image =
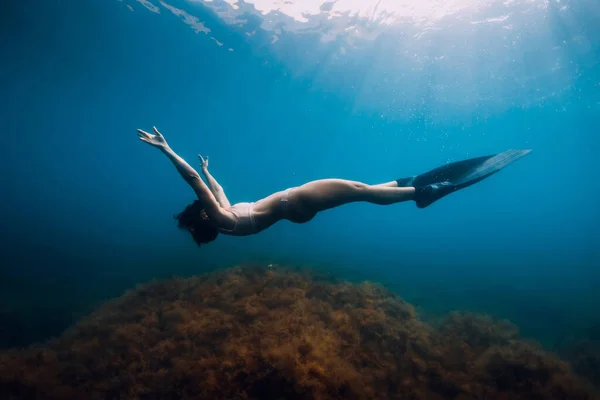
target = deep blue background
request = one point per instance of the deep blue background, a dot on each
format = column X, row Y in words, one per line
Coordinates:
column 87, row 210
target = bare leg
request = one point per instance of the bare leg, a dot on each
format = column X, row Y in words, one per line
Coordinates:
column 329, row 193
column 387, row 184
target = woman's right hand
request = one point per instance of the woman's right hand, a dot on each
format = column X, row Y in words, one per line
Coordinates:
column 157, row 140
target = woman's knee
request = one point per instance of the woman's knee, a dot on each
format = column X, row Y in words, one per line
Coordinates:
column 359, row 191
column 359, row 186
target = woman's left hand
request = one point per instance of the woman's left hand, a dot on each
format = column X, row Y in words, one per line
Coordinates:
column 203, row 162
column 156, row 140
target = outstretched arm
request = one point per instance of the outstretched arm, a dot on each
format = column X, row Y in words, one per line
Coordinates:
column 214, row 186
column 189, row 174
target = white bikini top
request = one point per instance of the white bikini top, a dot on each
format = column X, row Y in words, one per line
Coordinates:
column 245, row 224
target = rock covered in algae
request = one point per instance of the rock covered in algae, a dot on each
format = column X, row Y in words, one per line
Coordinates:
column 277, row 333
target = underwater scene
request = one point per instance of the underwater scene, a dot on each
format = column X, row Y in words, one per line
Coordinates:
column 300, row 199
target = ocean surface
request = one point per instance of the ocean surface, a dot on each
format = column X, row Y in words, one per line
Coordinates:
column 280, row 93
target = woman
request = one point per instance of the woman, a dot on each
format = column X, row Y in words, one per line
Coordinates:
column 212, row 214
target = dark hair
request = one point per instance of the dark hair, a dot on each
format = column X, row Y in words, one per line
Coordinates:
column 195, row 221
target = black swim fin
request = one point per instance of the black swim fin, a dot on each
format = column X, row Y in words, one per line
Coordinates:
column 441, row 181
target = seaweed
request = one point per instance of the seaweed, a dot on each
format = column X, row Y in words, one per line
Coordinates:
column 253, row 332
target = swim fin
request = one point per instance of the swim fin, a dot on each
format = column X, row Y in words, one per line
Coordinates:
column 439, row 182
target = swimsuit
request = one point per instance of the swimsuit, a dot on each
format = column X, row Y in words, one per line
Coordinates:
column 244, row 214
column 285, row 196
column 244, row 224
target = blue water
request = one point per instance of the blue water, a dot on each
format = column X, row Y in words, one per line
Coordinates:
column 87, row 209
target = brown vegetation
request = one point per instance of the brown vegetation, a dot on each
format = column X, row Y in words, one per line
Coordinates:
column 261, row 333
